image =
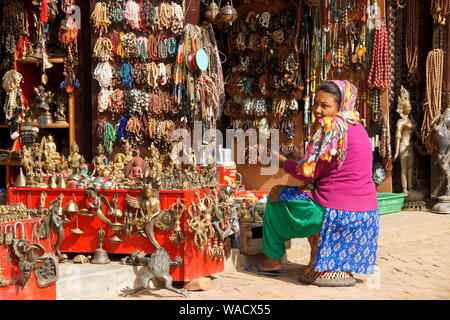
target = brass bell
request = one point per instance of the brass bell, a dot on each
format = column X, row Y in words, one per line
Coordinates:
column 21, row 180
column 71, row 207
column 100, row 255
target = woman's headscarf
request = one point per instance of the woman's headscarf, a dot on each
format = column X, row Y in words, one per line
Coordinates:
column 330, row 134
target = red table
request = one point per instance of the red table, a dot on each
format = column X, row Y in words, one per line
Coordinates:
column 195, row 263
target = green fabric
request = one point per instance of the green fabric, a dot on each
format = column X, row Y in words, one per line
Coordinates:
column 284, row 220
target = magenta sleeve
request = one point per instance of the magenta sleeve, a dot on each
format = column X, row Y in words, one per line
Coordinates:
column 323, row 168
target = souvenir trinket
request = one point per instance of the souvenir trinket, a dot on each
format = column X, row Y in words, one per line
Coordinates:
column 177, row 209
column 100, row 254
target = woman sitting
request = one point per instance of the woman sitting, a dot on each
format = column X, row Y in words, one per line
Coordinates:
column 338, row 210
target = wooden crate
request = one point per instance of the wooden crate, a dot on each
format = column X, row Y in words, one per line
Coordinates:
column 251, row 238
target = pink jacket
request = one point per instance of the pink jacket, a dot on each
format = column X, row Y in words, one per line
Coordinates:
column 350, row 187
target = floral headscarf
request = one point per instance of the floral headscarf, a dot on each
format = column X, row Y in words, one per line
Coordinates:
column 330, row 134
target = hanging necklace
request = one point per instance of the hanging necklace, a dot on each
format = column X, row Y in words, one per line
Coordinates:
column 412, row 41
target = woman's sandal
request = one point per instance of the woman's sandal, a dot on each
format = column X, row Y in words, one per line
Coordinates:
column 328, row 279
column 257, row 270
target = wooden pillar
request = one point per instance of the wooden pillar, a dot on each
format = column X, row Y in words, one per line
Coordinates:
column 386, row 185
column 192, row 9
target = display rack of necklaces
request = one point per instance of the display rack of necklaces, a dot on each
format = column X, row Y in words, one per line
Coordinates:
column 134, row 47
column 264, row 81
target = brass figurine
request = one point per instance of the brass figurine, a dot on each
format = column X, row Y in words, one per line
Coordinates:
column 75, row 160
column 442, row 138
column 177, row 237
column 100, row 163
column 404, row 151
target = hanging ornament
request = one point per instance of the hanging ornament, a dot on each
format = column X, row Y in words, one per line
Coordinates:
column 212, row 12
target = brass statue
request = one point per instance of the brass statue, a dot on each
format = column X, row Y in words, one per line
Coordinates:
column 148, row 209
column 61, row 106
column 29, row 165
column 404, row 151
column 75, row 160
column 100, row 163
column 403, row 145
column 442, row 138
column 245, row 214
column 126, row 155
column 158, row 266
column 155, row 163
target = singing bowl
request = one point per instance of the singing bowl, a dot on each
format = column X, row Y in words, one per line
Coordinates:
column 77, row 231
column 115, row 239
column 201, row 59
column 85, row 212
column 116, row 226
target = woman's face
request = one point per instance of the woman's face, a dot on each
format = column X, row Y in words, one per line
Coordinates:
column 325, row 105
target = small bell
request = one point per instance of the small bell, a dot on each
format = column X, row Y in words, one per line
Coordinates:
column 100, row 255
column 53, row 184
column 21, row 180
column 62, row 183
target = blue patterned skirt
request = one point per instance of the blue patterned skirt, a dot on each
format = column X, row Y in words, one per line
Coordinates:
column 348, row 240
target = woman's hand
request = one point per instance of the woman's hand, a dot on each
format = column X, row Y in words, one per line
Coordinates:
column 293, row 155
column 281, row 158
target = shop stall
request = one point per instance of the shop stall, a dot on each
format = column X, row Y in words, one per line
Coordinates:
column 117, row 113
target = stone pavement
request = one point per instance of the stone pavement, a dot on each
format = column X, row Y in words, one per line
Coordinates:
column 410, row 265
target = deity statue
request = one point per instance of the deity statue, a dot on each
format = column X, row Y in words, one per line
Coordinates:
column 442, row 138
column 404, row 151
column 155, row 163
column 75, row 159
column 60, row 113
column 29, row 165
column 100, row 163
column 126, row 155
column 50, row 150
column 148, row 206
column 136, row 167
column 403, row 145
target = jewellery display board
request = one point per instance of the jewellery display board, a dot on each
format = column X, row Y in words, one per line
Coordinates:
column 195, row 263
column 330, row 40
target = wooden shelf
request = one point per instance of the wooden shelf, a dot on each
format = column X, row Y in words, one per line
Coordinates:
column 48, row 126
column 11, row 163
column 35, row 60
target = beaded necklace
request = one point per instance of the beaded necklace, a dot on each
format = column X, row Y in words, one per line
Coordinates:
column 103, row 49
column 126, row 75
column 99, row 18
column 412, row 41
column 103, row 73
column 121, row 129
column 433, row 105
column 152, row 47
column 131, row 14
column 106, row 134
column 379, row 72
column 104, row 100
